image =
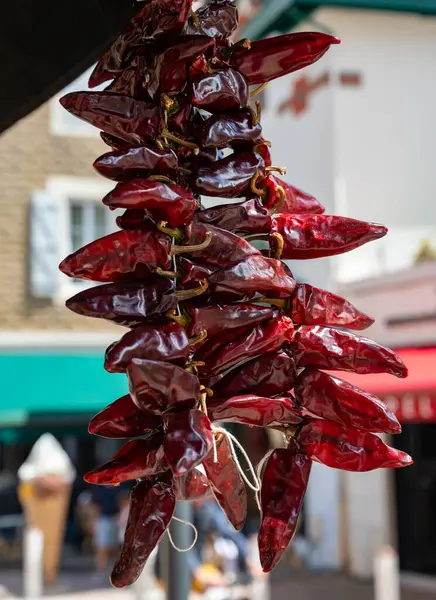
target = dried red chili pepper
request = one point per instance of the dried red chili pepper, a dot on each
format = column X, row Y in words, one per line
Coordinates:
column 254, row 410
column 312, row 306
column 123, row 419
column 136, row 459
column 217, row 19
column 336, row 400
column 157, row 387
column 277, row 56
column 247, row 217
column 152, row 505
column 140, row 161
column 228, row 177
column 224, row 318
column 223, row 130
column 297, row 201
column 154, row 341
column 226, row 482
column 225, row 248
column 348, row 449
column 133, row 80
column 256, row 274
column 125, row 303
column 114, row 142
column 284, row 485
column 136, row 253
column 133, row 121
column 156, row 19
column 133, row 218
column 159, row 200
column 262, row 338
column 315, row 236
column 219, row 91
column 191, row 486
column 327, row 348
column 187, row 439
column 193, row 273
column 269, row 375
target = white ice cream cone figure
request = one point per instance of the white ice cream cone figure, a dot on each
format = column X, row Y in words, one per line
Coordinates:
column 45, row 487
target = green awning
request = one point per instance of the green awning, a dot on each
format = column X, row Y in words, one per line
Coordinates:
column 59, row 382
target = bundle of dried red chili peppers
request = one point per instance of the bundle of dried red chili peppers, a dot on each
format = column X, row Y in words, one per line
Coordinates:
column 218, row 330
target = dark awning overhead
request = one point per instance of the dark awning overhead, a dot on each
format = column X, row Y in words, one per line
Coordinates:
column 46, row 44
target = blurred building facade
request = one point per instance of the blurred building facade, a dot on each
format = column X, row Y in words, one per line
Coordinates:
column 356, row 130
column 50, row 359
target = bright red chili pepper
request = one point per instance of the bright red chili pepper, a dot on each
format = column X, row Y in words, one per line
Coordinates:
column 125, row 303
column 348, row 449
column 191, row 486
column 135, row 253
column 284, row 485
column 277, row 56
column 312, row 306
column 226, row 483
column 152, row 505
column 297, row 201
column 254, row 410
column 123, row 419
column 132, row 121
column 336, row 400
column 219, row 91
column 315, row 236
column 136, row 459
column 187, row 439
column 225, row 318
column 327, row 348
column 159, row 200
column 154, row 341
column 140, row 161
column 247, row 217
column 157, row 387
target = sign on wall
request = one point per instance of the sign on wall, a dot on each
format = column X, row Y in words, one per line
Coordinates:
column 413, row 407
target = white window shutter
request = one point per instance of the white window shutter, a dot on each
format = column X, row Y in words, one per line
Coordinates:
column 45, row 249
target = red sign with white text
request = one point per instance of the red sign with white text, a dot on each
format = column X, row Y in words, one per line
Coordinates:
column 416, row 407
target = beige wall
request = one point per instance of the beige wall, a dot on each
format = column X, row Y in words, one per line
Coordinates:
column 29, row 155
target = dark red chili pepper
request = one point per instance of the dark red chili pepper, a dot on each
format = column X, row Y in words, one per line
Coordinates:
column 262, row 338
column 191, row 486
column 154, row 341
column 157, row 387
column 219, row 91
column 315, row 236
column 134, row 253
column 337, row 400
column 152, row 505
column 217, row 19
column 160, row 200
column 114, row 142
column 284, row 485
column 225, row 318
column 133, row 218
column 226, row 482
column 225, row 248
column 187, row 439
column 133, row 80
column 140, row 161
column 193, row 273
column 127, row 304
column 297, row 201
column 136, row 459
column 312, row 306
column 348, row 449
column 228, row 177
column 254, row 410
column 156, row 19
column 223, row 130
column 327, row 348
column 123, row 419
column 170, row 70
column 247, row 217
column 256, row 274
column 277, row 56
column 268, row 375
column 130, row 120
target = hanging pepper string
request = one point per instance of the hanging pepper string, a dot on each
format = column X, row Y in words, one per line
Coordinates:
column 189, row 525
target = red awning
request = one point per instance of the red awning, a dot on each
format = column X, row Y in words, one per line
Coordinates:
column 413, row 399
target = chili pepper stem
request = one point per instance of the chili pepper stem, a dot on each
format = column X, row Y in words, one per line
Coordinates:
column 281, row 170
column 173, row 232
column 257, row 191
column 280, row 244
column 162, row 178
column 281, row 191
column 198, row 338
column 169, row 274
column 279, row 302
column 192, row 293
column 258, row 89
column 170, row 136
column 182, row 249
column 182, row 320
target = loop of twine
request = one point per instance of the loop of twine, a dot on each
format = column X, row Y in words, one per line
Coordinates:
column 195, row 535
